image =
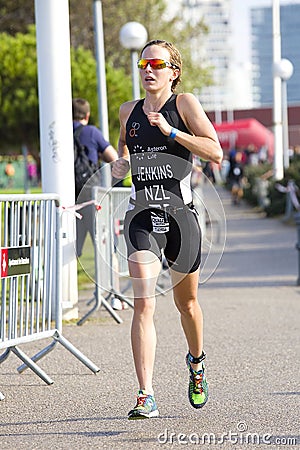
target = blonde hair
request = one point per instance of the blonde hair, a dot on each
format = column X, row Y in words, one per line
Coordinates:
column 175, row 57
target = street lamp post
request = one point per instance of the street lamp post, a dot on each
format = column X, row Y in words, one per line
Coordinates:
column 133, row 36
column 101, row 84
column 277, row 96
column 284, row 69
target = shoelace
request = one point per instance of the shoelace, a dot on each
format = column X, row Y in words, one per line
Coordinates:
column 141, row 400
column 198, row 378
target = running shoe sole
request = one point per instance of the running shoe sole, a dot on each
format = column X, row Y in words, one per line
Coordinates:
column 137, row 415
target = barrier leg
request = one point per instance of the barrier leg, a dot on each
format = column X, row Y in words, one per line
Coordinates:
column 4, row 355
column 38, row 356
column 67, row 344
column 107, row 306
column 59, row 338
column 122, row 298
column 34, row 367
column 126, row 287
column 93, row 309
column 103, row 301
column 160, row 290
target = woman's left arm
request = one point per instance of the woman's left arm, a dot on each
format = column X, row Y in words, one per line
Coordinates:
column 204, row 141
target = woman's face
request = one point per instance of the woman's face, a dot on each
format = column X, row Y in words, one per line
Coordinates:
column 154, row 80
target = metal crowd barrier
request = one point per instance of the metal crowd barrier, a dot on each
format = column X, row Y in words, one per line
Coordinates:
column 110, row 248
column 31, row 292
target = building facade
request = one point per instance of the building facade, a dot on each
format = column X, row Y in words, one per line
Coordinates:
column 262, row 52
column 240, row 82
column 214, row 49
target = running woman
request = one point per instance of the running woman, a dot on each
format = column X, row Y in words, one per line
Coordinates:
column 159, row 134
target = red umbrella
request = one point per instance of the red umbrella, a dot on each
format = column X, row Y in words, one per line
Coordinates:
column 245, row 132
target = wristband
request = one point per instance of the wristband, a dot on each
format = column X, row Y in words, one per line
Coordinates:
column 173, row 133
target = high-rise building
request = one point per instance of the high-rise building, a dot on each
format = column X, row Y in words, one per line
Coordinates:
column 214, row 49
column 262, row 52
column 242, row 72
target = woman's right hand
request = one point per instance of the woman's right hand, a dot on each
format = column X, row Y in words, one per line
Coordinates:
column 120, row 168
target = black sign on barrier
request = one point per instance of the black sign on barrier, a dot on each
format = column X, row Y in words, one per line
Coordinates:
column 15, row 261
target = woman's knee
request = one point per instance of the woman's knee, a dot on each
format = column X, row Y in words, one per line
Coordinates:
column 187, row 306
column 144, row 306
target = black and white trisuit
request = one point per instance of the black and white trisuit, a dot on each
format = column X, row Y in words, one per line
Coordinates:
column 161, row 214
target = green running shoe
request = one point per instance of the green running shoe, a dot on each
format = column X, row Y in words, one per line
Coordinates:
column 198, row 387
column 145, row 407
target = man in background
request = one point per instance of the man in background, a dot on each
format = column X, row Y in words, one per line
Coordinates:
column 236, row 177
column 97, row 148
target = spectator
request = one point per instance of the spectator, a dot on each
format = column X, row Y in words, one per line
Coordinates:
column 9, row 173
column 98, row 148
column 236, row 177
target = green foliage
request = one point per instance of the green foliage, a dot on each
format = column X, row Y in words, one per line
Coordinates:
column 18, row 76
column 19, row 93
column 18, row 87
column 16, row 15
column 84, row 84
column 276, row 199
column 119, row 90
column 293, row 172
column 153, row 15
column 83, row 70
column 161, row 23
column 252, row 173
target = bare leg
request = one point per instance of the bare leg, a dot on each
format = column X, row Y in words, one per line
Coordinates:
column 144, row 268
column 185, row 296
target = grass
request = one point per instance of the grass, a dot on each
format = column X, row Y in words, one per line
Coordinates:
column 32, row 190
column 86, row 265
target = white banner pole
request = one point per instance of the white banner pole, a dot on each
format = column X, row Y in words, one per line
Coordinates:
column 56, row 133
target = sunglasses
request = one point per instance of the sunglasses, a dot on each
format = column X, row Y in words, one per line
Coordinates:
column 155, row 64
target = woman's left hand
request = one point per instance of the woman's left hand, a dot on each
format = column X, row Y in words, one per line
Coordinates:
column 158, row 120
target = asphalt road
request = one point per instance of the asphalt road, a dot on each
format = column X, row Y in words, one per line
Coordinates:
column 251, row 307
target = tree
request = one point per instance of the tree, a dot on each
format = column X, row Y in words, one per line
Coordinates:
column 18, row 89
column 16, row 15
column 18, row 79
column 152, row 13
column 84, row 84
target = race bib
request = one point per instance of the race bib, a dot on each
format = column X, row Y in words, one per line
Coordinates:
column 160, row 222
